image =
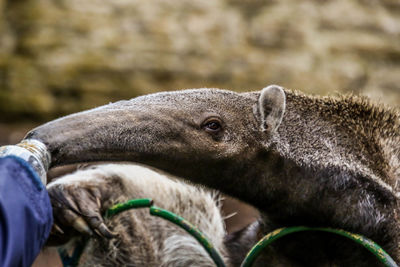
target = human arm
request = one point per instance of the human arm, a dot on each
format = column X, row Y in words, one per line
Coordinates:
column 25, row 210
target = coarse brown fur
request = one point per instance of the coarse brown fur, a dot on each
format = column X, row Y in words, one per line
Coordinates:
column 302, row 160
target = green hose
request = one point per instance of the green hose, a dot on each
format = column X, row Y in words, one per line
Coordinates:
column 253, row 253
column 188, row 227
column 130, row 204
column 275, row 235
column 73, row 260
column 172, row 217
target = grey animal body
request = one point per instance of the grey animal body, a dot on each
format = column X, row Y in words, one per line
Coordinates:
column 141, row 239
column 302, row 160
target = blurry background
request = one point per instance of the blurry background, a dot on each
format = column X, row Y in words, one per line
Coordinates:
column 63, row 56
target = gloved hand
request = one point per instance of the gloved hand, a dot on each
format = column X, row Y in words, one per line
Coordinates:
column 32, row 151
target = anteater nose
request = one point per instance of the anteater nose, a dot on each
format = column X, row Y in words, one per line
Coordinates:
column 30, row 135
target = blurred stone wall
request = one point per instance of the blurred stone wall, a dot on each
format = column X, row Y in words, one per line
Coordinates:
column 62, row 56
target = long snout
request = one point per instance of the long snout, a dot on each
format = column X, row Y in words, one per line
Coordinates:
column 101, row 134
column 132, row 130
column 78, row 137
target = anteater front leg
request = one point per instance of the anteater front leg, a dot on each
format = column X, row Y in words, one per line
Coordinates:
column 79, row 200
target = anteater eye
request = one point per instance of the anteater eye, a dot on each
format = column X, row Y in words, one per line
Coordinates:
column 212, row 125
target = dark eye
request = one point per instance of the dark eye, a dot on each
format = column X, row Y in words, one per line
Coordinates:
column 212, row 125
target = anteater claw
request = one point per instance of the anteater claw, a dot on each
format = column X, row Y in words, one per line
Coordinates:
column 106, row 232
column 57, row 229
column 81, row 226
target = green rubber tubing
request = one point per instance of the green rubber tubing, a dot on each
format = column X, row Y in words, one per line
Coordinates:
column 191, row 229
column 130, row 204
column 172, row 217
column 253, row 253
column 73, row 260
column 275, row 235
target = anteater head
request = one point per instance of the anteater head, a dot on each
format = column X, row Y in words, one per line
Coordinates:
column 197, row 132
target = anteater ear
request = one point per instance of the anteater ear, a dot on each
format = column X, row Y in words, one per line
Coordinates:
column 271, row 107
